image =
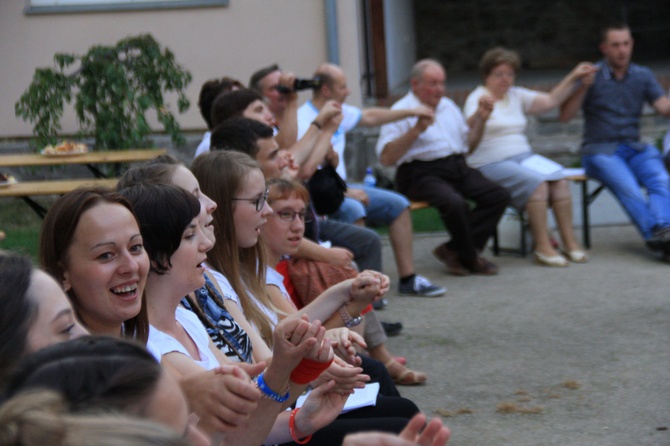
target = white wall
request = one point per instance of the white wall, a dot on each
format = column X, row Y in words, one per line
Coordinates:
column 211, row 42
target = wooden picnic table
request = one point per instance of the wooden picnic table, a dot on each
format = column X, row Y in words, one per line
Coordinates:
column 28, row 189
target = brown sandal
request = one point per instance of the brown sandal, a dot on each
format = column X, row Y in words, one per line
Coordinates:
column 407, row 377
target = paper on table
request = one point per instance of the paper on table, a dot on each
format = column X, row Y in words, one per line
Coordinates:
column 541, row 164
column 360, row 398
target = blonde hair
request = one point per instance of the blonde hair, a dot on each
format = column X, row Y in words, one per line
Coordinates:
column 38, row 418
column 221, row 175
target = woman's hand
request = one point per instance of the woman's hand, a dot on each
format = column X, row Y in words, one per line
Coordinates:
column 346, row 377
column 224, row 397
column 321, row 407
column 415, row 434
column 343, row 340
column 369, row 286
column 322, row 351
column 294, row 339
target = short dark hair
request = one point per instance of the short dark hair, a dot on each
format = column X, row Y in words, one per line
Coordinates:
column 17, row 310
column 232, row 104
column 496, row 56
column 618, row 26
column 255, row 79
column 210, row 90
column 91, row 372
column 240, row 134
column 163, row 212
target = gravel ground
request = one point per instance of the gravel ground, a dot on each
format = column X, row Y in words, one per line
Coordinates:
column 543, row 356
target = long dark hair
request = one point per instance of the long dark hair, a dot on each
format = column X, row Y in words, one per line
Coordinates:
column 56, row 237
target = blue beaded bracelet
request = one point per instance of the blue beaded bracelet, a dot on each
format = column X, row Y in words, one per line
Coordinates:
column 268, row 392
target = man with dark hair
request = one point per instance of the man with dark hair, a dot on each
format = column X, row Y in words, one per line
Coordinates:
column 253, row 138
column 208, row 93
column 612, row 102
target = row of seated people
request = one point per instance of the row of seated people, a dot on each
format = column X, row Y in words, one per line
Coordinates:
column 493, row 138
column 190, row 280
column 451, row 158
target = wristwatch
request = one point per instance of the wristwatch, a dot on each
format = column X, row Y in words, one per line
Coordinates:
column 349, row 320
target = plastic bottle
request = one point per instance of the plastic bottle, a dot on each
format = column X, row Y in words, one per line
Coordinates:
column 369, row 179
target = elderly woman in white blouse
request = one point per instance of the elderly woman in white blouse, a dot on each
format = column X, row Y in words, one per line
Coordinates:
column 502, row 154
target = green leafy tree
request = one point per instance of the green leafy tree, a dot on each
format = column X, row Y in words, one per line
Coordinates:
column 114, row 87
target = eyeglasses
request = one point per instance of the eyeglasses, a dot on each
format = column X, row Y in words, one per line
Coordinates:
column 258, row 202
column 289, row 216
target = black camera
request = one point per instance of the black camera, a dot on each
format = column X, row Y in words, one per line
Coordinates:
column 301, row 84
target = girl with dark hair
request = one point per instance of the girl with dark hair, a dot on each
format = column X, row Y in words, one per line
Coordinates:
column 91, row 243
column 34, row 311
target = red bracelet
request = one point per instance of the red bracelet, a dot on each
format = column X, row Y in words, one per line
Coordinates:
column 308, row 370
column 291, row 428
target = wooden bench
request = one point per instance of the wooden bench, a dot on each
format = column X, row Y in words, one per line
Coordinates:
column 28, row 189
column 587, row 197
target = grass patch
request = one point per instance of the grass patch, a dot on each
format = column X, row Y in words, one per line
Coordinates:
column 423, row 220
column 22, row 226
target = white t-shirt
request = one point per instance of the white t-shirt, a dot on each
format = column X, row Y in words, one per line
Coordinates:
column 446, row 136
column 274, row 277
column 351, row 116
column 163, row 343
column 505, row 130
column 203, row 147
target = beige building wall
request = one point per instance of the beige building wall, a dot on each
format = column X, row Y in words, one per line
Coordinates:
column 210, row 42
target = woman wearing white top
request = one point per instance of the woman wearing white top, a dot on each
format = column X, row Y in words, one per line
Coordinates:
column 503, row 148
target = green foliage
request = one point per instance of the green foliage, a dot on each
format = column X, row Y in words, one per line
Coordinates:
column 114, row 88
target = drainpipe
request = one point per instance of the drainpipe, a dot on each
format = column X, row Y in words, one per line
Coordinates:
column 331, row 32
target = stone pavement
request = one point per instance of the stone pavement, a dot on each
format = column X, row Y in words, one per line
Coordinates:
column 581, row 353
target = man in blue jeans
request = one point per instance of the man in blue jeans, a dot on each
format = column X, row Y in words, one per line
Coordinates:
column 612, row 152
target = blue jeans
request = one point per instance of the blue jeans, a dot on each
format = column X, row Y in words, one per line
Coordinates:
column 383, row 208
column 624, row 172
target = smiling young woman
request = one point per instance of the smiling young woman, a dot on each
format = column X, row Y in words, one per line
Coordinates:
column 91, row 243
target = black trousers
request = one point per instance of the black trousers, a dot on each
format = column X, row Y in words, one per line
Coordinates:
column 448, row 184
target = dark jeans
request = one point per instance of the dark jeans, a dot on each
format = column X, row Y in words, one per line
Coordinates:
column 448, row 184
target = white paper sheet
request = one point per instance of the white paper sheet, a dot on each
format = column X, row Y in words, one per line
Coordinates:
column 360, row 398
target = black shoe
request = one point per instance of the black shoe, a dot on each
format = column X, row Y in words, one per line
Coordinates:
column 380, row 304
column 659, row 240
column 392, row 328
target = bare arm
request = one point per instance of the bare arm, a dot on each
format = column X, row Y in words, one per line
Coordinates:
column 477, row 121
column 375, row 116
column 662, row 105
column 547, row 101
column 335, row 256
column 319, row 150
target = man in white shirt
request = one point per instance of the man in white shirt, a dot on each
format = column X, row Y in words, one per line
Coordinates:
column 429, row 153
column 364, row 203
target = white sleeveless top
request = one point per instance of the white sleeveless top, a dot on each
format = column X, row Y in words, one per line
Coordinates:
column 163, row 343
